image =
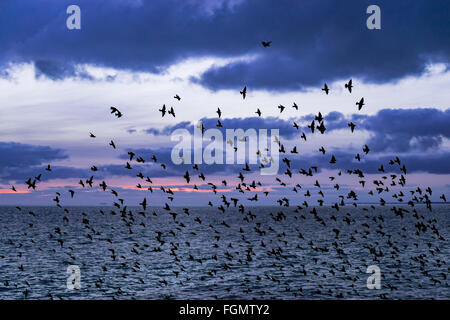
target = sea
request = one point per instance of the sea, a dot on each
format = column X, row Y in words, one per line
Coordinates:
column 364, row 252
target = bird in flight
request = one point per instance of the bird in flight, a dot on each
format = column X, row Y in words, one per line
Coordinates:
column 366, row 149
column 258, row 112
column 163, row 110
column 244, row 92
column 219, row 112
column 90, row 181
column 172, row 112
column 312, row 126
column 352, row 126
column 319, row 117
column 31, row 184
column 325, row 88
column 360, row 104
column 103, row 185
column 321, row 128
column 349, row 86
column 266, row 44
column 116, row 111
column 177, row 97
column 144, row 204
column 187, row 177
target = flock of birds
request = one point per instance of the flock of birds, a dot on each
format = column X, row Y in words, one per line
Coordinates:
column 294, row 204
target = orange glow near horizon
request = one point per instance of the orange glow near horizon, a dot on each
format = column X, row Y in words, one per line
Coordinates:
column 9, row 191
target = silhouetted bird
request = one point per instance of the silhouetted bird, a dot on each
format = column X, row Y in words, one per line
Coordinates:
column 244, row 92
column 349, row 85
column 187, row 177
column 116, row 111
column 360, row 104
column 352, row 126
column 163, row 110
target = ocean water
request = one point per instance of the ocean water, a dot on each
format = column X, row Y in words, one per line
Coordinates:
column 259, row 254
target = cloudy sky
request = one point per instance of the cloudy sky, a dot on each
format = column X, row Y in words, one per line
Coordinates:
column 57, row 85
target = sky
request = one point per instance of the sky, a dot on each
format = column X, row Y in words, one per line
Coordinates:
column 57, row 85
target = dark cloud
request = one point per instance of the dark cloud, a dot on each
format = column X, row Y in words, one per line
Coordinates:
column 403, row 130
column 313, row 41
column 19, row 162
column 58, row 71
column 434, row 163
column 285, row 127
column 20, row 174
column 23, row 155
column 163, row 156
column 398, row 130
column 168, row 129
column 414, row 163
column 328, row 40
column 437, row 163
column 393, row 130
